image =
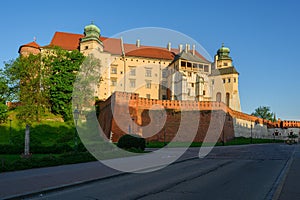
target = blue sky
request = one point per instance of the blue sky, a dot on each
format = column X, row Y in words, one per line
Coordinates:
column 263, row 36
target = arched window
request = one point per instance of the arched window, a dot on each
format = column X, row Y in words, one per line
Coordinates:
column 218, row 97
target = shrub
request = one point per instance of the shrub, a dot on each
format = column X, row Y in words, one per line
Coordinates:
column 131, row 142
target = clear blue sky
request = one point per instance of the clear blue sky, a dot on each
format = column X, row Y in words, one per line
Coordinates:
column 264, row 36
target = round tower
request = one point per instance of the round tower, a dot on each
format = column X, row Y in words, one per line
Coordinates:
column 30, row 48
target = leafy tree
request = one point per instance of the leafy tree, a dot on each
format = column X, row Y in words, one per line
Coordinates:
column 29, row 85
column 264, row 112
column 3, row 97
column 63, row 66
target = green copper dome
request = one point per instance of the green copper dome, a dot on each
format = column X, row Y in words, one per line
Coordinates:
column 91, row 28
column 91, row 32
column 223, row 52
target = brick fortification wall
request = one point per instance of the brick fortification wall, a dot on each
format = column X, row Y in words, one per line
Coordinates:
column 126, row 113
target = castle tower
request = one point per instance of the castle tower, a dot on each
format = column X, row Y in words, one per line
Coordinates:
column 225, row 79
column 30, row 48
column 91, row 39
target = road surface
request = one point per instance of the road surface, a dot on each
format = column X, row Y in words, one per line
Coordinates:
column 233, row 172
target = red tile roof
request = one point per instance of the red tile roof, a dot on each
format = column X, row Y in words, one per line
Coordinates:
column 152, row 52
column 30, row 44
column 70, row 41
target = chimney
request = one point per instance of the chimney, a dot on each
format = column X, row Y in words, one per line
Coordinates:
column 180, row 48
column 186, row 48
column 138, row 43
column 169, row 46
column 194, row 49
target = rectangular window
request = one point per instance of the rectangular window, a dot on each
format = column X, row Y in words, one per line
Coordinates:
column 164, row 97
column 148, row 84
column 114, row 82
column 148, row 73
column 132, row 83
column 192, row 84
column 148, row 96
column 203, row 92
column 225, row 64
column 114, row 70
column 224, row 80
column 164, row 73
column 206, row 69
column 234, row 80
column 132, row 71
column 183, row 64
column 189, row 64
column 228, row 80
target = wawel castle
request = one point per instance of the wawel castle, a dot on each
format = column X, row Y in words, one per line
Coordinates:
column 153, row 72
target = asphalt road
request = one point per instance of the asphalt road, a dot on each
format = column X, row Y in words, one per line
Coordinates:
column 235, row 172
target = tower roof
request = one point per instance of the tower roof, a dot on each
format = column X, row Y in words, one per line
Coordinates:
column 30, row 44
column 223, row 53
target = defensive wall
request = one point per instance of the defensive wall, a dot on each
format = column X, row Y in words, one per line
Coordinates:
column 161, row 120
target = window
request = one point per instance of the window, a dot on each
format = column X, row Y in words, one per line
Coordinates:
column 206, row 69
column 86, row 47
column 164, row 73
column 121, row 72
column 183, row 64
column 234, row 80
column 148, row 96
column 225, row 64
column 224, row 80
column 189, row 64
column 114, row 82
column 148, row 73
column 114, row 70
column 228, row 80
column 203, row 92
column 132, row 83
column 212, row 82
column 148, row 84
column 192, row 84
column 132, row 71
column 164, row 97
column 189, row 74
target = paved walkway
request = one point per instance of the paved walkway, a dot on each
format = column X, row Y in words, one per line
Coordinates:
column 14, row 184
column 25, row 182
column 291, row 183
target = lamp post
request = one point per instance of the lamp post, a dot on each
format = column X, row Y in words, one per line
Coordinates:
column 10, row 131
column 132, row 125
column 76, row 117
column 251, row 132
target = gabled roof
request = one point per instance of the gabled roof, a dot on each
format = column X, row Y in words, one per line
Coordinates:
column 189, row 56
column 223, row 71
column 152, row 52
column 71, row 41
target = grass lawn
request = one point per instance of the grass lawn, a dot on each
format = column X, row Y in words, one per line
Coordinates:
column 235, row 141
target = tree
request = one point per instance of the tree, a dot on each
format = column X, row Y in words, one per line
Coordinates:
column 264, row 112
column 63, row 67
column 29, row 85
column 3, row 97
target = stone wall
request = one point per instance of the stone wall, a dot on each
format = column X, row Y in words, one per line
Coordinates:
column 126, row 113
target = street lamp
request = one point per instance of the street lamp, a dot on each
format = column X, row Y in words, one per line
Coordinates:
column 132, row 125
column 10, row 130
column 251, row 132
column 76, row 117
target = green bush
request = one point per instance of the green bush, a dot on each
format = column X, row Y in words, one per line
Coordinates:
column 131, row 142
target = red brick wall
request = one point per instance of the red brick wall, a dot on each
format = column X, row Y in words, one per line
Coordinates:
column 130, row 111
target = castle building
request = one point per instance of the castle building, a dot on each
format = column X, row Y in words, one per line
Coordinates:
column 153, row 72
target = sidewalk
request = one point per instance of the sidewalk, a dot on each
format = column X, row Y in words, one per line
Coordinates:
column 33, row 181
column 291, row 186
